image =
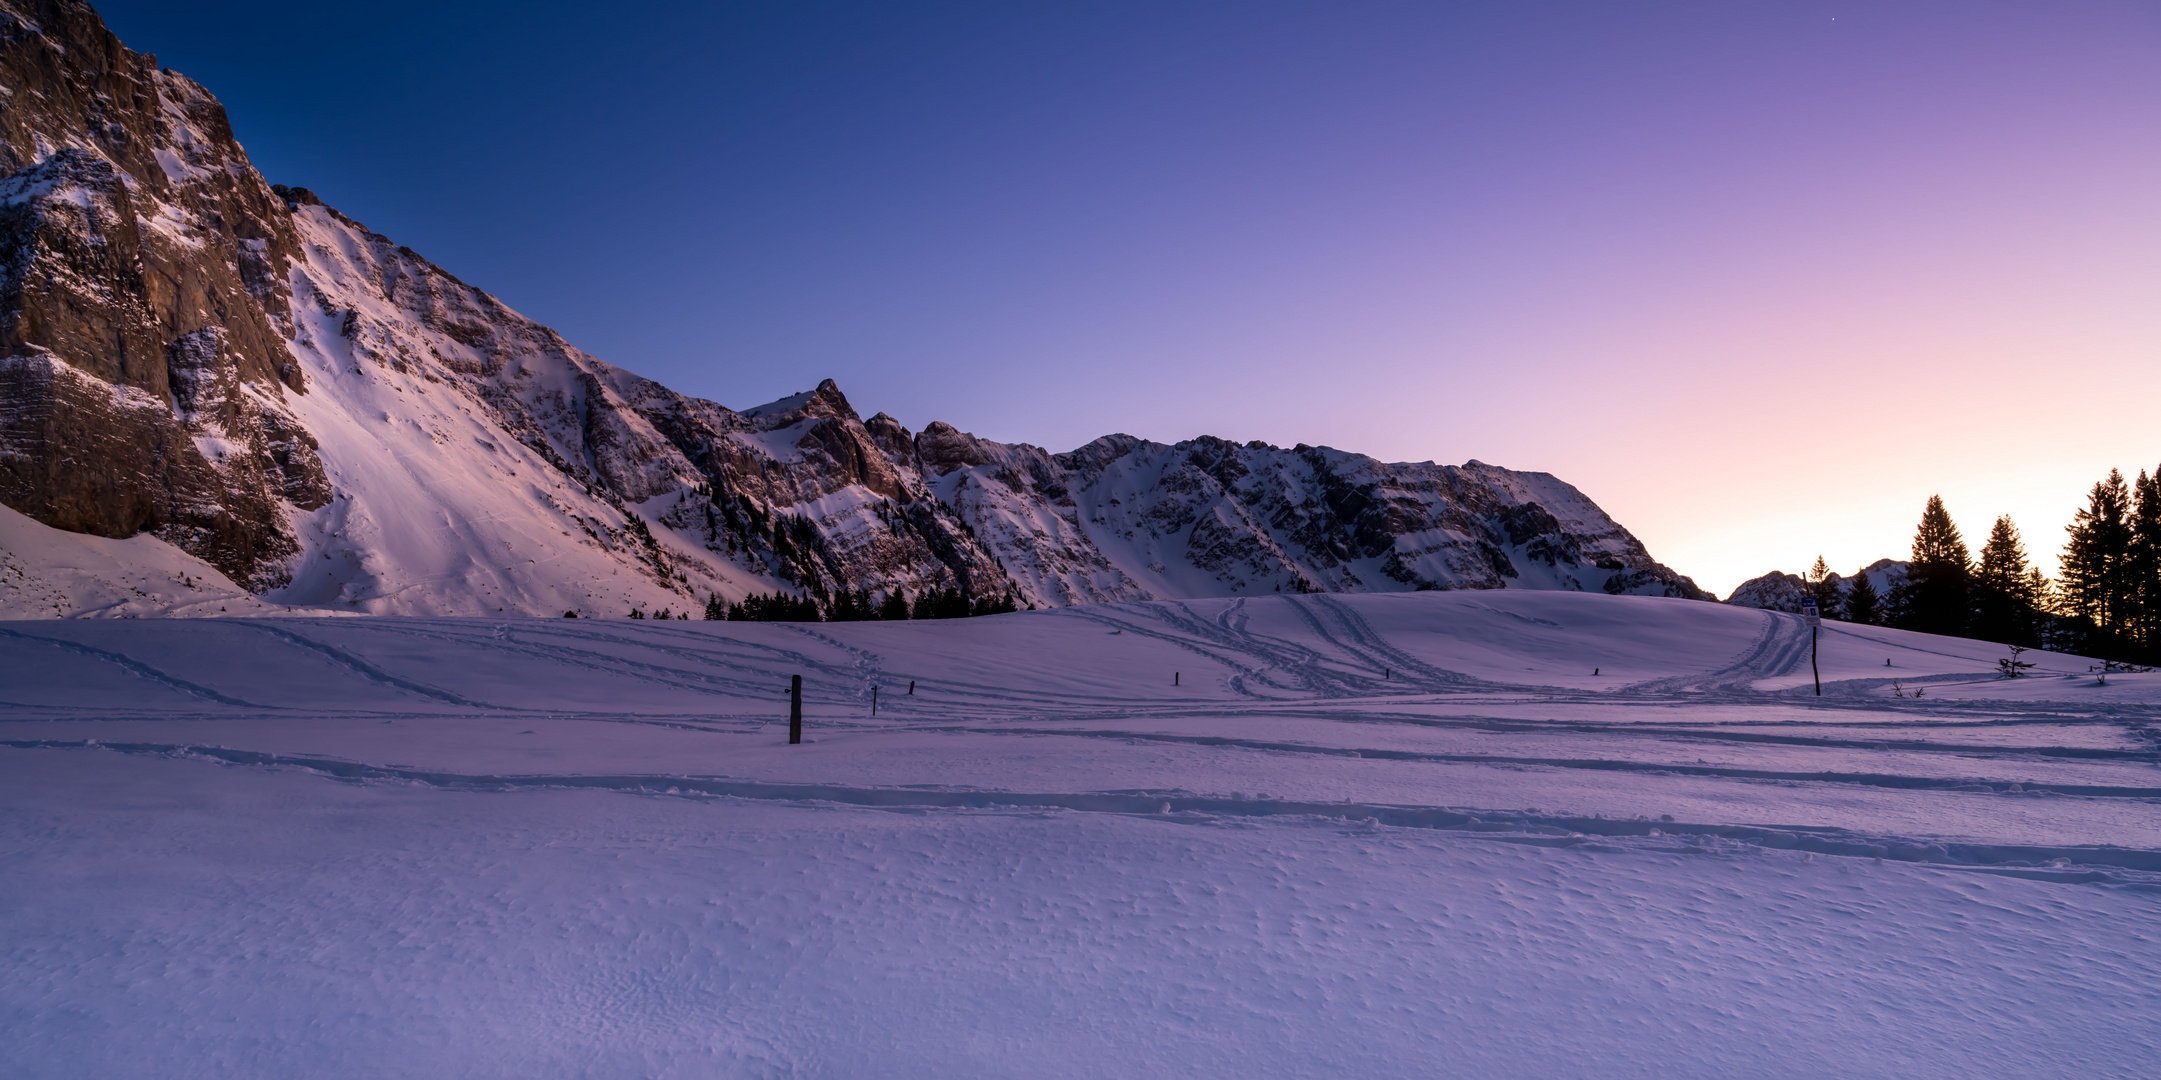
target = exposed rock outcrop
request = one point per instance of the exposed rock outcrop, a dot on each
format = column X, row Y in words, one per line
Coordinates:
column 1123, row 518
column 131, row 224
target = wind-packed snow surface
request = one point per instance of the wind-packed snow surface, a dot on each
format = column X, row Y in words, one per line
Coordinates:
column 1492, row 834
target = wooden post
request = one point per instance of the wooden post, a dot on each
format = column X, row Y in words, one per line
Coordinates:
column 1174, row 677
column 911, row 688
column 795, row 710
column 874, row 701
column 1812, row 661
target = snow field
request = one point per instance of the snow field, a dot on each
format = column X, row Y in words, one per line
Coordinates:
column 1373, row 835
column 226, row 921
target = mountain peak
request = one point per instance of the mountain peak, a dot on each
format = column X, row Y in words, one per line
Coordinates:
column 823, row 401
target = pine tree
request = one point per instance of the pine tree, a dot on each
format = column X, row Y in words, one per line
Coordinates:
column 2144, row 566
column 895, row 606
column 778, row 607
column 997, row 605
column 2096, row 560
column 1862, row 604
column 2003, row 595
column 2048, row 619
column 942, row 604
column 1823, row 585
column 1935, row 597
column 715, row 609
column 844, row 609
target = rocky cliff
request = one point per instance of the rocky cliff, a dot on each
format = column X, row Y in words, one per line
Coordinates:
column 144, row 376
column 1122, row 518
column 329, row 420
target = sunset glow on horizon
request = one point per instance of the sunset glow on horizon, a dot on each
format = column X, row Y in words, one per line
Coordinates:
column 1758, row 280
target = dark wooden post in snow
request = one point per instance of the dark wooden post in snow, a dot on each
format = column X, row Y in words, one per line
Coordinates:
column 911, row 687
column 1174, row 677
column 795, row 710
column 1813, row 618
column 874, row 701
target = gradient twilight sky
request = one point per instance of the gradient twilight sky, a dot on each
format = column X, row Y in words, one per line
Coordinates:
column 1759, row 278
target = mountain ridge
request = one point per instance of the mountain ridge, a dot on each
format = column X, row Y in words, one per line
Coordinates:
column 333, row 422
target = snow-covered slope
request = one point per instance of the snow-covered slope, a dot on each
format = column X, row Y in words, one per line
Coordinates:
column 478, row 454
column 1500, row 833
column 47, row 573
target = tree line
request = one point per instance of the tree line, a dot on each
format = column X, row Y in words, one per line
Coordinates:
column 2106, row 602
column 858, row 606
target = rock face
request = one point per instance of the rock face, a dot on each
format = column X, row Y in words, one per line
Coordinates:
column 331, row 420
column 142, row 306
column 1122, row 518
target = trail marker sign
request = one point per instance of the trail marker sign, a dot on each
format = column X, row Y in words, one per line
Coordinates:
column 1809, row 612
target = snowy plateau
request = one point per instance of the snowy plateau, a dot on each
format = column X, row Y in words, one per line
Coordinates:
column 1509, row 833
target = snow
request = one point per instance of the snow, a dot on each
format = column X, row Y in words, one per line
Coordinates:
column 1386, row 834
column 217, row 448
column 30, row 186
column 176, row 170
column 443, row 507
column 781, row 443
column 782, row 407
column 45, row 572
column 171, row 222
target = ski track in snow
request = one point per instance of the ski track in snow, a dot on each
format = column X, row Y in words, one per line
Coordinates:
column 1367, row 835
column 127, row 664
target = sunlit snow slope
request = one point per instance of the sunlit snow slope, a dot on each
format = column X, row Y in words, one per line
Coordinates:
column 48, row 573
column 1499, row 833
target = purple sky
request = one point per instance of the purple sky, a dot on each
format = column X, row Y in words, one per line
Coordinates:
column 1758, row 278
